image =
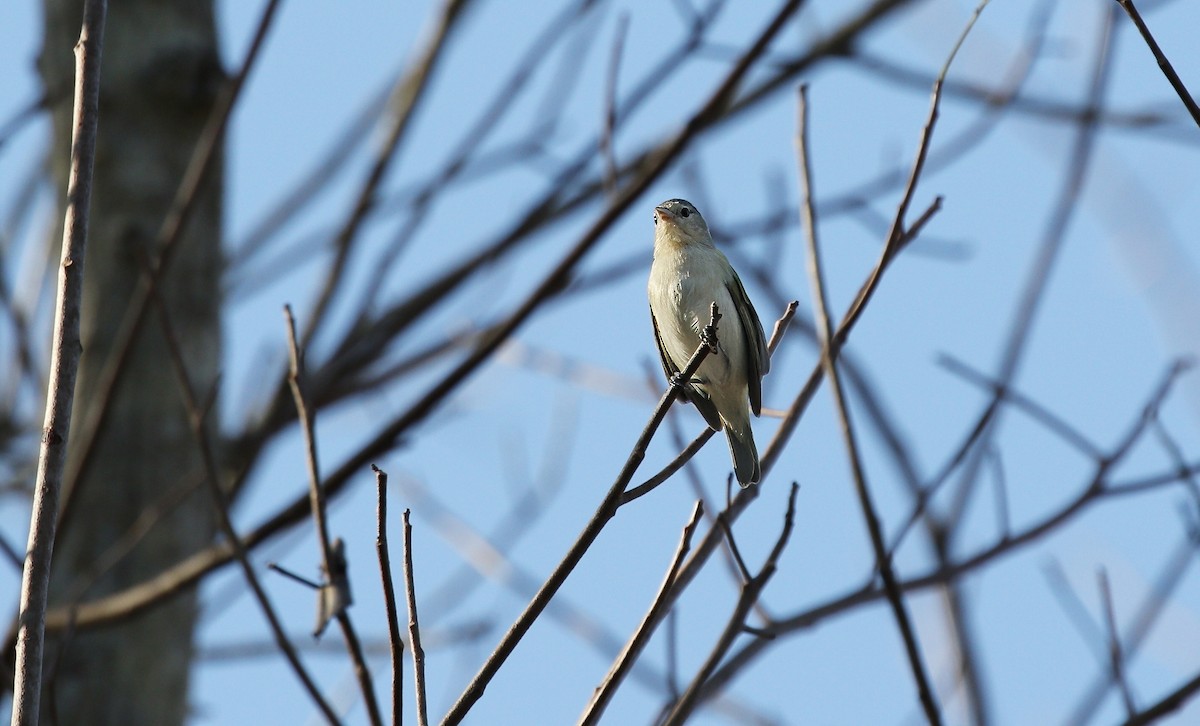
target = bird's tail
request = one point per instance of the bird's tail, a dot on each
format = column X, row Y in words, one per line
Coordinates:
column 744, row 453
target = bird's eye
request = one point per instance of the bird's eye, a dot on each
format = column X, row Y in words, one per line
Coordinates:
column 656, row 220
column 685, row 212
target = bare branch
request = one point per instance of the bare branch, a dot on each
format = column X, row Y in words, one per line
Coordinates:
column 1116, row 658
column 414, row 628
column 641, row 635
column 606, row 510
column 200, row 430
column 64, row 367
column 1164, row 64
column 1170, row 703
column 737, row 621
column 333, row 597
column 396, row 645
column 825, row 331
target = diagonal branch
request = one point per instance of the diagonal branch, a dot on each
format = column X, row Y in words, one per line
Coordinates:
column 606, row 510
column 751, row 591
column 1164, row 64
column 641, row 636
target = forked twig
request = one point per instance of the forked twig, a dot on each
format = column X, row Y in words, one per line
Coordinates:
column 737, row 620
column 637, row 642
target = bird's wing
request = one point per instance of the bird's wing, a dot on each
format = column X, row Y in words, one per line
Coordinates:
column 758, row 361
column 689, row 392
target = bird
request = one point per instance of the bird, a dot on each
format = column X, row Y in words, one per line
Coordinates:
column 687, row 276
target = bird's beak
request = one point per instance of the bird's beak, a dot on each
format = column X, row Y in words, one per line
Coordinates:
column 664, row 214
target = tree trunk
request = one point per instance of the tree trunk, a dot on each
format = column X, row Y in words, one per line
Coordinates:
column 161, row 74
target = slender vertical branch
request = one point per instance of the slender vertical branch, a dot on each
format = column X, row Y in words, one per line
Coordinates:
column 334, row 595
column 610, row 108
column 64, row 367
column 395, row 644
column 316, row 496
column 825, row 333
column 414, row 627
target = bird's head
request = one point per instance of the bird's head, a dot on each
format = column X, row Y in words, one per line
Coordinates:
column 680, row 221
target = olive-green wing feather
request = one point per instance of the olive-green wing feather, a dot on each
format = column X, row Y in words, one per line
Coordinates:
column 688, row 393
column 757, row 359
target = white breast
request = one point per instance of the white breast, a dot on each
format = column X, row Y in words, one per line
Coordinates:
column 684, row 283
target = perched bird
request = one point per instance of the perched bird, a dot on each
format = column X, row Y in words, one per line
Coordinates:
column 688, row 275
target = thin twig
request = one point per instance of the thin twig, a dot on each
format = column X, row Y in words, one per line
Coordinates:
column 606, row 510
column 737, row 621
column 334, row 595
column 200, row 430
column 316, row 496
column 1153, row 605
column 610, row 108
column 414, row 628
column 723, row 522
column 1116, row 658
column 825, row 333
column 1164, row 64
column 395, row 644
column 64, row 367
column 641, row 635
column 294, row 577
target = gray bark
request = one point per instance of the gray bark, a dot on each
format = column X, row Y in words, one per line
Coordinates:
column 161, row 77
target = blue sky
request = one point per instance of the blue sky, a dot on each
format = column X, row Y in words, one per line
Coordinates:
column 1122, row 302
